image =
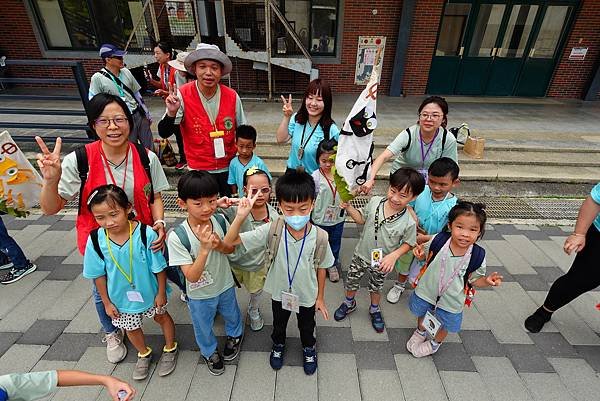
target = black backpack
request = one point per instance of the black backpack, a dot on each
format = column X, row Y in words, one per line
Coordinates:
column 83, row 167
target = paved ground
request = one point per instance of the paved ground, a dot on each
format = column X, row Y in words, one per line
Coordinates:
column 47, row 321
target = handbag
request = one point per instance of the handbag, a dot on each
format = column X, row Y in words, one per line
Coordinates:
column 474, row 147
column 165, row 152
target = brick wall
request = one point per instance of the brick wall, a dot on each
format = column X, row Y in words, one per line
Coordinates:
column 360, row 21
column 421, row 45
column 572, row 78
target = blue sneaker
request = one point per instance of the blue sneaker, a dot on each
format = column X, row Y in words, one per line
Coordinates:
column 276, row 357
column 377, row 321
column 344, row 310
column 310, row 360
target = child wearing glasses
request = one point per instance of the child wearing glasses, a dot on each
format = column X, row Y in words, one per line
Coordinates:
column 245, row 140
column 248, row 266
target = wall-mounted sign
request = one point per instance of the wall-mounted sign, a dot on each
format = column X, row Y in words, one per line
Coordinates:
column 365, row 57
column 578, row 53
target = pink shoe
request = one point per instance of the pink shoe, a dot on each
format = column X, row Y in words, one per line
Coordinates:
column 423, row 349
column 415, row 340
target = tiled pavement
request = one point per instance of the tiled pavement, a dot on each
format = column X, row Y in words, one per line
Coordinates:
column 47, row 321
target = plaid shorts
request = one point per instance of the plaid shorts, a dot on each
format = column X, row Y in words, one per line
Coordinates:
column 357, row 269
column 133, row 321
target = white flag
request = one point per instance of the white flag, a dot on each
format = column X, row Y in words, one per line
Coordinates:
column 355, row 147
column 20, row 183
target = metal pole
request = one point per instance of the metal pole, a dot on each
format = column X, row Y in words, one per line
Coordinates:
column 268, row 40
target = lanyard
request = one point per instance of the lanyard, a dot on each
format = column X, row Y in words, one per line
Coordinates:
column 265, row 220
column 166, row 74
column 423, row 153
column 287, row 256
column 129, row 277
column 444, row 254
column 211, row 118
column 435, row 207
column 119, row 87
column 302, row 143
column 331, row 186
column 385, row 219
column 112, row 177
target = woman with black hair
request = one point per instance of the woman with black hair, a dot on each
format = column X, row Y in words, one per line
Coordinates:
column 112, row 159
column 421, row 144
column 309, row 126
column 163, row 53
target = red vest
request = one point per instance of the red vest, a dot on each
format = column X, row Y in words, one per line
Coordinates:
column 196, row 128
column 161, row 71
column 97, row 177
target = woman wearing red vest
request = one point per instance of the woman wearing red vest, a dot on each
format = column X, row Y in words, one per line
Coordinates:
column 207, row 113
column 163, row 53
column 111, row 159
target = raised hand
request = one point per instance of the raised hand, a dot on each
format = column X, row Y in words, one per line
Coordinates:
column 172, row 101
column 49, row 162
column 494, row 279
column 287, row 109
column 246, row 204
column 206, row 236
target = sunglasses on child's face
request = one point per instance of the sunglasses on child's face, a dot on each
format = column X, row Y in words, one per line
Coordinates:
column 264, row 190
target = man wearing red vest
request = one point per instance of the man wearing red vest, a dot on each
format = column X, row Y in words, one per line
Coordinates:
column 208, row 113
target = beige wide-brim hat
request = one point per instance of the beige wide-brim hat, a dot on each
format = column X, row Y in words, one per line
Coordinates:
column 178, row 62
column 204, row 51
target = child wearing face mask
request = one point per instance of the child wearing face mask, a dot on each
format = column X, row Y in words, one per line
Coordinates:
column 296, row 278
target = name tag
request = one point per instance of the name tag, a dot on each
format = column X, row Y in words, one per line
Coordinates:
column 331, row 214
column 290, row 302
column 431, row 324
column 376, row 257
column 219, row 145
column 134, row 296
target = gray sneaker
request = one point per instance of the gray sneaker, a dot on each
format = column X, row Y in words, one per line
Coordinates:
column 256, row 320
column 142, row 366
column 116, row 351
column 167, row 362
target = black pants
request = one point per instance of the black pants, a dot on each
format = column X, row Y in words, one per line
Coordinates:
column 224, row 187
column 583, row 276
column 179, row 140
column 306, row 324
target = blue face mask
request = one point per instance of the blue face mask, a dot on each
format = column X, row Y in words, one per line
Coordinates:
column 297, row 222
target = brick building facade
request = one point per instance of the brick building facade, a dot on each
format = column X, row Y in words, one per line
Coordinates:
column 22, row 38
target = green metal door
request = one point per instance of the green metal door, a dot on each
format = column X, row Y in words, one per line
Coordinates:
column 544, row 53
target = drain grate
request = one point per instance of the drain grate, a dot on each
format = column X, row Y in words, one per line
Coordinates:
column 497, row 208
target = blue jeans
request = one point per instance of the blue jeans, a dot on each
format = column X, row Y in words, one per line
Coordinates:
column 335, row 239
column 105, row 320
column 11, row 249
column 202, row 313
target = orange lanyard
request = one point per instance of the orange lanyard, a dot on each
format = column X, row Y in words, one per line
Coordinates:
column 331, row 186
column 112, row 177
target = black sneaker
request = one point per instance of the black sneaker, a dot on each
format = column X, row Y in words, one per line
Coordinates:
column 5, row 262
column 310, row 360
column 232, row 347
column 536, row 322
column 16, row 274
column 215, row 364
column 344, row 310
column 276, row 357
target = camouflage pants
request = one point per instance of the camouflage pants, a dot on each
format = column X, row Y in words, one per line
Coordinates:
column 357, row 269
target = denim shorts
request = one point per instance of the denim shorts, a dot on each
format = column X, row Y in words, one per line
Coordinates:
column 450, row 321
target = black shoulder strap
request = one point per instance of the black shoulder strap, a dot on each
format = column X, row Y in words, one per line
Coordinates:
column 83, row 168
column 221, row 220
column 143, row 153
column 112, row 76
column 95, row 243
column 444, row 135
column 144, row 234
column 438, row 242
column 477, row 257
column 404, row 149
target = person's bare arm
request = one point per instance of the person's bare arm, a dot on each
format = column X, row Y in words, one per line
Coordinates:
column 587, row 214
column 282, row 134
column 353, row 213
column 70, row 378
column 50, row 167
column 377, row 164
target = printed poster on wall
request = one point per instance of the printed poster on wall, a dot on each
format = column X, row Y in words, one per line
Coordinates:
column 365, row 57
column 20, row 183
column 181, row 18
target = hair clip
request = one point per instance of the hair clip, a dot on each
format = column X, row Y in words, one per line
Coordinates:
column 252, row 170
column 89, row 199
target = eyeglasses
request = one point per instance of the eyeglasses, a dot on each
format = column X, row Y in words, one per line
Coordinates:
column 427, row 116
column 264, row 190
column 120, row 121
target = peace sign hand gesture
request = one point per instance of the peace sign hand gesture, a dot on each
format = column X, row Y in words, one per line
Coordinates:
column 287, row 106
column 172, row 101
column 49, row 162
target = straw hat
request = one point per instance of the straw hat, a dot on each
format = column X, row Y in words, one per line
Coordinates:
column 204, row 51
